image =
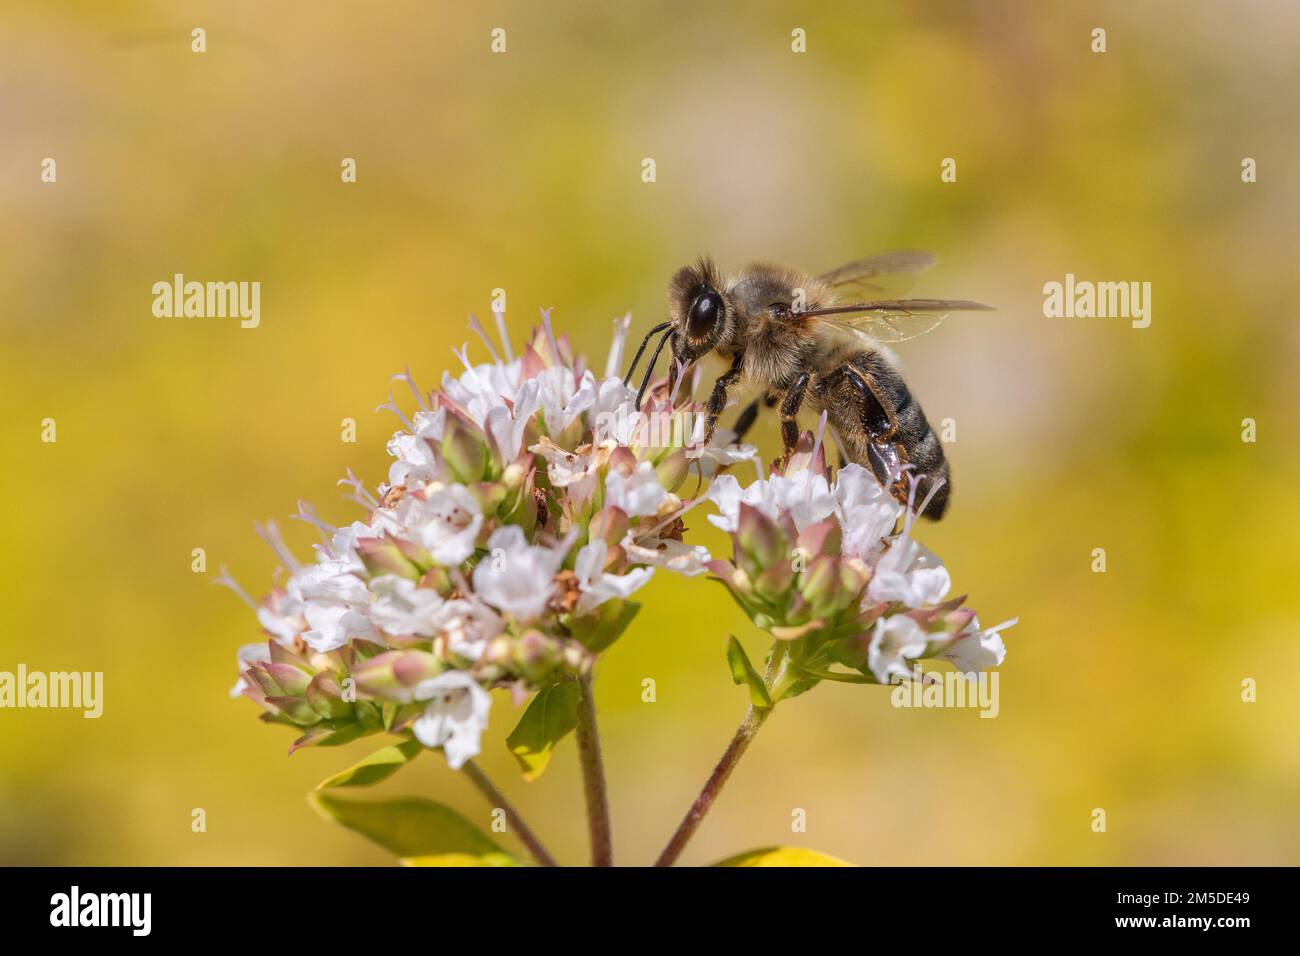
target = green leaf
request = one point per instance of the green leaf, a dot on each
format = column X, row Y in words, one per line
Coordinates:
column 742, row 672
column 552, row 714
column 597, row 631
column 841, row 676
column 782, row 856
column 800, row 687
column 380, row 765
column 420, row 832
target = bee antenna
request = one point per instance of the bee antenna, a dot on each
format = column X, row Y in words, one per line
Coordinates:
column 654, row 357
column 641, row 351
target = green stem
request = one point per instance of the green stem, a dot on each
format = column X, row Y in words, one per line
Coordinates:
column 731, row 756
column 593, row 777
column 776, row 679
column 498, row 800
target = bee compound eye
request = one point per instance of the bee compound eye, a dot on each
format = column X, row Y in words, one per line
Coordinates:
column 704, row 314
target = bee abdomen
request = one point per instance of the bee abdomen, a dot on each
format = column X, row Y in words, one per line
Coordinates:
column 915, row 439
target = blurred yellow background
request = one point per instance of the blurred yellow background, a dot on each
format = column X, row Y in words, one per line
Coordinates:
column 523, row 171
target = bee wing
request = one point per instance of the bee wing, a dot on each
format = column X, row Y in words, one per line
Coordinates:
column 882, row 275
column 894, row 320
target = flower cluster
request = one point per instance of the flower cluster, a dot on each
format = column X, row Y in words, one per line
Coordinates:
column 520, row 514
column 528, row 499
column 830, row 568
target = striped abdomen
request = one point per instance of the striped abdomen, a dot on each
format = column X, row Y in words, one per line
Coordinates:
column 864, row 397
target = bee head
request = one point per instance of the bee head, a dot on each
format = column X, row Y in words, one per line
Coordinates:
column 701, row 319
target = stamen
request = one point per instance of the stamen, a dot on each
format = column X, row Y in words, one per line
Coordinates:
column 270, row 533
column 410, row 383
column 359, row 493
column 615, row 361
column 482, row 334
column 308, row 514
column 935, row 485
column 224, row 579
column 550, row 332
column 391, row 405
column 817, row 442
column 643, row 535
column 505, row 339
column 566, row 544
column 909, row 514
column 463, row 355
column 677, row 384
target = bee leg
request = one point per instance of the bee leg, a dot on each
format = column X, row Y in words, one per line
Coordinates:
column 789, row 414
column 747, row 417
column 877, row 419
column 880, row 426
column 746, row 420
column 718, row 397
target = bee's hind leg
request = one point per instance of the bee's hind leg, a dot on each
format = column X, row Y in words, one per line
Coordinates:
column 880, row 425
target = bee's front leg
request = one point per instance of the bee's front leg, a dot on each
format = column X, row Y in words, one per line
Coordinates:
column 790, row 404
column 718, row 397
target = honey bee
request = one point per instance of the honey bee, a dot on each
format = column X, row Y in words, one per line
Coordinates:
column 817, row 340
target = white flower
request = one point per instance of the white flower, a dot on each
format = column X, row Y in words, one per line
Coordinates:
column 482, row 388
column 329, row 580
column 456, row 716
column 866, row 512
column 563, row 398
column 499, row 400
column 896, row 641
column 978, row 650
column 248, row 655
column 344, row 544
column 400, row 607
column 507, row 424
column 613, row 414
column 468, row 625
column 344, row 540
column 331, row 625
column 805, row 496
column 910, row 573
column 444, row 520
column 721, row 453
column 517, row 577
column 637, row 494
column 598, row 586
column 569, row 469
column 687, row 560
column 614, row 359
column 416, row 460
column 281, row 616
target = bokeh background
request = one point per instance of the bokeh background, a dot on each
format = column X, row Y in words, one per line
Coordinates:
column 522, row 171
